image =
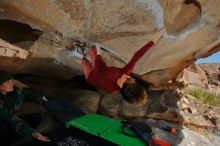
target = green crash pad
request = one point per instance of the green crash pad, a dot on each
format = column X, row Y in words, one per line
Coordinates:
column 106, row 128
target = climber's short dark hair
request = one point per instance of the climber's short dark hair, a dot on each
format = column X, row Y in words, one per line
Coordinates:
column 134, row 92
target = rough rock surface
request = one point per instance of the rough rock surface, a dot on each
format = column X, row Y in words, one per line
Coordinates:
column 121, row 27
column 194, row 75
column 205, row 76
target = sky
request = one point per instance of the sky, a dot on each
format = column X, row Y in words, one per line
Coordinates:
column 214, row 58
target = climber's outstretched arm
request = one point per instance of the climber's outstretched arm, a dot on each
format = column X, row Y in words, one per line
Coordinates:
column 129, row 67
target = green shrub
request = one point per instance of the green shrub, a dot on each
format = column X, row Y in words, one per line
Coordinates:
column 204, row 95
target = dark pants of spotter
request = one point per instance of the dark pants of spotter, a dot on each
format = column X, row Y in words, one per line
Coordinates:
column 7, row 135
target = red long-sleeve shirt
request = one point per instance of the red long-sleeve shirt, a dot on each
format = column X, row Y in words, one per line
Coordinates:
column 105, row 77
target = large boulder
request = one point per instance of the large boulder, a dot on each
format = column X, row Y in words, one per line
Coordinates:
column 161, row 105
column 120, row 27
column 194, row 76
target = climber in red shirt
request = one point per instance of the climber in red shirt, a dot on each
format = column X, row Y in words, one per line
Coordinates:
column 115, row 80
